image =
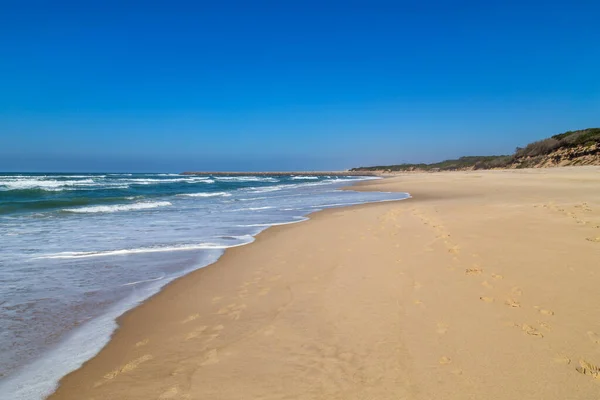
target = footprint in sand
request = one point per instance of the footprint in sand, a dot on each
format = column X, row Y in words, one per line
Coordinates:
column 473, row 271
column 130, row 366
column 530, row 330
column 595, row 240
column 233, row 310
column 142, row 343
column 544, row 311
column 169, row 394
column 454, row 250
column 486, row 299
column 516, row 291
column 587, row 368
column 562, row 359
column 418, row 303
column 195, row 333
column 445, row 360
column 512, row 303
column 544, row 325
column 496, row 276
column 190, row 318
column 486, row 284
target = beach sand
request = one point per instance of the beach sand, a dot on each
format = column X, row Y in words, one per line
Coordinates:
column 484, row 285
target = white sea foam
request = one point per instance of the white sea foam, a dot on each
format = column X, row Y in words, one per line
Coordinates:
column 297, row 219
column 40, row 378
column 152, row 181
column 362, row 202
column 253, row 198
column 145, row 281
column 122, row 234
column 119, row 207
column 304, row 177
column 24, row 184
column 266, row 189
column 157, row 249
column 252, row 208
column 246, row 179
column 212, row 194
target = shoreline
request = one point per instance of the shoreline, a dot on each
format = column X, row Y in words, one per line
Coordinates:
column 122, row 321
column 163, row 338
column 106, row 325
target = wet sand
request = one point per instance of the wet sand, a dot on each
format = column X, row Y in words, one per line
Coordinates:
column 484, row 285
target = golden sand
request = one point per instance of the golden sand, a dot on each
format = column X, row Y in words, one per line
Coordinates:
column 484, row 285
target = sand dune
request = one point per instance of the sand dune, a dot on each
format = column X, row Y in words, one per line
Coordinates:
column 484, row 285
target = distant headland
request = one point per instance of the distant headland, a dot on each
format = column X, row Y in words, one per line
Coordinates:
column 581, row 147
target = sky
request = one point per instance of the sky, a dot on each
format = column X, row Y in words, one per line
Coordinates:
column 288, row 85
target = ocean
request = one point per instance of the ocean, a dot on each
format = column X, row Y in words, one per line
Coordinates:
column 78, row 250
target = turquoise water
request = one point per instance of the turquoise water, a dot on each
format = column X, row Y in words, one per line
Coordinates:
column 78, row 250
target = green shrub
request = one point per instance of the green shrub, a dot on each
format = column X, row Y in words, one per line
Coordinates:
column 540, row 147
column 524, row 157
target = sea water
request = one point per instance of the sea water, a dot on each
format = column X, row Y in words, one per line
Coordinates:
column 78, row 250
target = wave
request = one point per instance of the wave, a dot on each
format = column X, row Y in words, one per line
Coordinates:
column 33, row 202
column 266, row 189
column 156, row 249
column 23, row 184
column 212, row 194
column 253, row 199
column 304, row 177
column 275, row 188
column 252, row 208
column 246, row 179
column 151, row 181
column 119, row 207
column 88, row 182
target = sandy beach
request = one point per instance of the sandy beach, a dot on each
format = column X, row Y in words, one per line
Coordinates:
column 484, row 285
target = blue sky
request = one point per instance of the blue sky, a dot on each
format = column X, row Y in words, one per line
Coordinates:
column 283, row 85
